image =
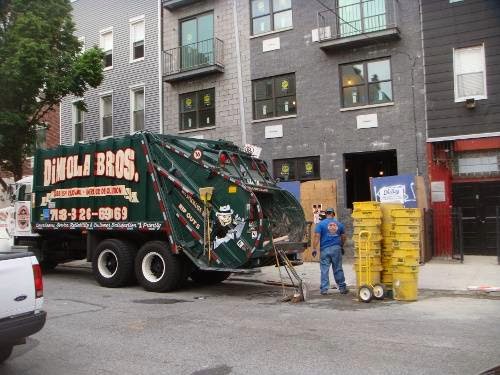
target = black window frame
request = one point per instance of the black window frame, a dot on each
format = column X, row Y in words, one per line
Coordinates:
column 271, row 14
column 274, row 96
column 294, row 168
column 197, row 110
column 366, row 84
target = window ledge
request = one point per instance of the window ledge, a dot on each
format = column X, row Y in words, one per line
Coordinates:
column 478, row 97
column 107, row 68
column 366, row 107
column 270, row 33
column 137, row 60
column 195, row 130
column 273, row 119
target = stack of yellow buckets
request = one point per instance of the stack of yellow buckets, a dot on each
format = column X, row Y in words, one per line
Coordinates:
column 367, row 217
column 405, row 237
column 388, row 234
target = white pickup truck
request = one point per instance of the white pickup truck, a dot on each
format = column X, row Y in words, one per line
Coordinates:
column 21, row 300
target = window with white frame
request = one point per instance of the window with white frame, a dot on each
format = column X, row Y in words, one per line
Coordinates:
column 81, row 40
column 137, row 38
column 137, row 109
column 106, row 44
column 106, row 115
column 469, row 73
column 77, row 121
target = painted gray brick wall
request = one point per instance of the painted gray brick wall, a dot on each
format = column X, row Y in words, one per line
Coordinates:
column 227, row 107
column 320, row 128
column 90, row 17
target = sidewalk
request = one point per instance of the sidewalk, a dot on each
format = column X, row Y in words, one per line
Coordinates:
column 438, row 274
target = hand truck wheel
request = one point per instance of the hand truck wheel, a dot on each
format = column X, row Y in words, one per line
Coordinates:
column 378, row 291
column 365, row 293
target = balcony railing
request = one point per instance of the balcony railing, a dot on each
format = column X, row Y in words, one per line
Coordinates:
column 194, row 59
column 360, row 22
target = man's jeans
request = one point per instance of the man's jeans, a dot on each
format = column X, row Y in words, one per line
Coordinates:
column 331, row 255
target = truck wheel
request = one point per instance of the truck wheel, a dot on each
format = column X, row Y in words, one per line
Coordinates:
column 209, row 277
column 157, row 269
column 113, row 263
column 5, row 352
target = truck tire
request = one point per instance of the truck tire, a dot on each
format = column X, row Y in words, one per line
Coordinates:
column 157, row 269
column 113, row 263
column 209, row 277
column 5, row 352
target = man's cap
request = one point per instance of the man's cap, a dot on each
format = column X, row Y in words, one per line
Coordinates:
column 330, row 211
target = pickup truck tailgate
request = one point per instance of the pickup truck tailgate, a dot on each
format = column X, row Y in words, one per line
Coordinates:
column 17, row 288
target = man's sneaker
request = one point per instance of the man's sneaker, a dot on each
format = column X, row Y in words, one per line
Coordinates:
column 344, row 291
column 324, row 293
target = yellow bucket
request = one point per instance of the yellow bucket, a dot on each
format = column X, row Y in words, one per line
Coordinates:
column 404, row 229
column 371, row 246
column 366, row 214
column 406, row 260
column 369, row 205
column 367, row 221
column 407, row 221
column 404, row 269
column 405, row 245
column 406, row 212
column 375, row 237
column 373, row 253
column 408, row 237
column 405, row 286
column 387, row 209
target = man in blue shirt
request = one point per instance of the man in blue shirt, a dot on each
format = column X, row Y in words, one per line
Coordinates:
column 329, row 235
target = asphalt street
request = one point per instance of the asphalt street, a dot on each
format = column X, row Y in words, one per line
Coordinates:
column 240, row 327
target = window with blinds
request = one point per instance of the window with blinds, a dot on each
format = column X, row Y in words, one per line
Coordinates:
column 137, row 39
column 469, row 73
column 106, row 44
column 106, row 116
column 138, row 109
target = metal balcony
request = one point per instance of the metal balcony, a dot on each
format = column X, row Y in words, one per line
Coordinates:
column 361, row 23
column 193, row 60
column 174, row 4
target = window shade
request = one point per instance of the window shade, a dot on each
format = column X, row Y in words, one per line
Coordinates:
column 137, row 31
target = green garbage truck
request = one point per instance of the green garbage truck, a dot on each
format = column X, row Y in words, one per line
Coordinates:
column 157, row 209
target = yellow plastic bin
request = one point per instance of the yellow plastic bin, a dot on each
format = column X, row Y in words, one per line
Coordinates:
column 407, row 221
column 366, row 221
column 368, row 228
column 369, row 205
column 404, row 229
column 405, row 245
column 366, row 214
column 408, row 260
column 407, row 237
column 405, row 286
column 406, row 212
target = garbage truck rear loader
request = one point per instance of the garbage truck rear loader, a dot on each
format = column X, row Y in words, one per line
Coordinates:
column 158, row 208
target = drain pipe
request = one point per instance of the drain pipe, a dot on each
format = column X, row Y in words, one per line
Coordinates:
column 240, row 76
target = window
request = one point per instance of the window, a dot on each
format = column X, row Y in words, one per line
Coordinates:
column 106, row 116
column 470, row 73
column 106, row 44
column 361, row 16
column 366, row 83
column 197, row 41
column 137, row 109
column 271, row 15
column 77, row 121
column 301, row 169
column 137, row 38
column 275, row 96
column 41, row 137
column 197, row 109
column 81, row 40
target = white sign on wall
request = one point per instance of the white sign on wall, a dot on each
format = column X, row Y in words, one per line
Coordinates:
column 274, row 131
column 367, row 121
column 254, row 150
column 437, row 191
column 270, row 44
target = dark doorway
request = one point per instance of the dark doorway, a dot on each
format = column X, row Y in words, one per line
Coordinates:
column 478, row 201
column 359, row 167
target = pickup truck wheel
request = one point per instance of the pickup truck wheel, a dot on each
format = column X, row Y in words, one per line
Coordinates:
column 113, row 263
column 157, row 269
column 5, row 352
column 209, row 277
